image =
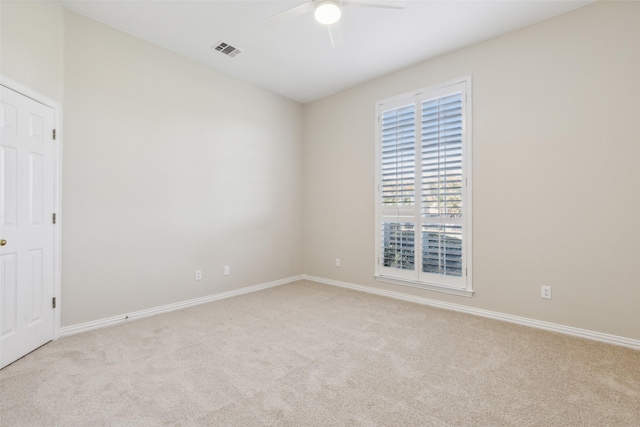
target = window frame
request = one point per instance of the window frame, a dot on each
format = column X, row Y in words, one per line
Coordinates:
column 417, row 278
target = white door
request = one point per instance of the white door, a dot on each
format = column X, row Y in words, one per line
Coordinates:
column 26, row 226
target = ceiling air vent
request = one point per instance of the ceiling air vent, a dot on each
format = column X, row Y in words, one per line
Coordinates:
column 227, row 49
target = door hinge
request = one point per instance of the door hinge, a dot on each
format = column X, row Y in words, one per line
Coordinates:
column 54, row 218
column 466, row 271
column 54, row 134
column 53, row 302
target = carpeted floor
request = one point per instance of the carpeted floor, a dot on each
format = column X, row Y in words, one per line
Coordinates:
column 310, row 354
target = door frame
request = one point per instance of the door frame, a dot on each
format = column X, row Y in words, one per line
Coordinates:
column 57, row 190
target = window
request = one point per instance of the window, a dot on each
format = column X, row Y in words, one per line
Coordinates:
column 423, row 227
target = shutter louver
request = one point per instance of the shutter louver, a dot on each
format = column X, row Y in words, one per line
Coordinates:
column 442, row 249
column 398, row 156
column 398, row 245
column 442, row 157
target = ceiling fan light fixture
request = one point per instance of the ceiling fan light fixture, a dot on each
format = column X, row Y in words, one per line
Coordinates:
column 327, row 12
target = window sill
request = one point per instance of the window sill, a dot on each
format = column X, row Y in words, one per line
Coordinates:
column 427, row 286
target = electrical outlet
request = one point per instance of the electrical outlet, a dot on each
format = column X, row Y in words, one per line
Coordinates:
column 227, row 270
column 337, row 262
column 198, row 274
column 545, row 292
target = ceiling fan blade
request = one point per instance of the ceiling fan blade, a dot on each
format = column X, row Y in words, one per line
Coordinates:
column 291, row 13
column 335, row 34
column 386, row 4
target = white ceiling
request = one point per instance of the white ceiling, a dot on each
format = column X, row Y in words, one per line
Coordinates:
column 295, row 58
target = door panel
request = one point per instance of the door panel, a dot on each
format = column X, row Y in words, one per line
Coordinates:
column 36, row 189
column 36, row 282
column 9, row 294
column 26, row 208
column 8, row 182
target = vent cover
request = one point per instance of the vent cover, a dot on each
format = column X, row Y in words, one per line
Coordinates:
column 226, row 48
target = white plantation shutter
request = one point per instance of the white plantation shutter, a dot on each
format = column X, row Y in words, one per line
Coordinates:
column 398, row 245
column 422, row 191
column 398, row 136
column 442, row 249
column 442, row 187
column 398, row 188
column 442, row 157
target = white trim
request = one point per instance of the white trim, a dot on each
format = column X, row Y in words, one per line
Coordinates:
column 57, row 203
column 525, row 321
column 430, row 88
column 425, row 285
column 468, row 185
column 115, row 320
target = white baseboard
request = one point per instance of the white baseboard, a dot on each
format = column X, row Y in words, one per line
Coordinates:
column 110, row 321
column 533, row 323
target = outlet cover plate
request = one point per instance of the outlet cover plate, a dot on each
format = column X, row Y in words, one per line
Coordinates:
column 545, row 292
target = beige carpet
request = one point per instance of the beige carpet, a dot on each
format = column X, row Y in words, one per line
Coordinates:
column 310, row 354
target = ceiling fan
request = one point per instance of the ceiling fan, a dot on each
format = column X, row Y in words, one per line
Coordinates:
column 328, row 12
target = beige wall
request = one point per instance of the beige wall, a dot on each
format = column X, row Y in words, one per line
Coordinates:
column 31, row 45
column 556, row 170
column 169, row 167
